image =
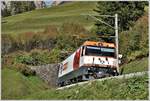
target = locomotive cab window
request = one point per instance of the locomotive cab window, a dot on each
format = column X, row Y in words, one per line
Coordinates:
column 100, row 51
column 82, row 51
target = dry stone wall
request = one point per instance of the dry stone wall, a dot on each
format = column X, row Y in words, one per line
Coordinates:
column 48, row 73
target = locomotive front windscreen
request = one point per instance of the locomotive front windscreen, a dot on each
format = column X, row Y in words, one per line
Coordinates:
column 100, row 51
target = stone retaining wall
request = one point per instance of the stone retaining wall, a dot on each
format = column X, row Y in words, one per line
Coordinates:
column 48, row 73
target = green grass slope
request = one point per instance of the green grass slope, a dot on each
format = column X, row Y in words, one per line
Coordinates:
column 138, row 65
column 37, row 20
column 113, row 89
column 15, row 85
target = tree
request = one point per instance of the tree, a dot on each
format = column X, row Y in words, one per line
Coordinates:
column 128, row 12
column 21, row 6
column 4, row 9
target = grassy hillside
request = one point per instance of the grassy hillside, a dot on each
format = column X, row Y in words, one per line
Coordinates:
column 15, row 85
column 37, row 20
column 114, row 89
column 138, row 65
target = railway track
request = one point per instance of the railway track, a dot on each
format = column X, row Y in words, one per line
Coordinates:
column 102, row 79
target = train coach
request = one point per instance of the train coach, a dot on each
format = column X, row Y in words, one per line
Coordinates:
column 91, row 60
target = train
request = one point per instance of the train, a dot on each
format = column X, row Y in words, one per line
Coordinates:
column 92, row 60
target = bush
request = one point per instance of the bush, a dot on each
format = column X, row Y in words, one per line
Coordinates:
column 25, row 59
column 7, row 43
column 54, row 55
column 134, row 43
column 12, row 63
column 39, row 57
column 24, row 69
column 72, row 28
column 29, row 40
column 137, row 54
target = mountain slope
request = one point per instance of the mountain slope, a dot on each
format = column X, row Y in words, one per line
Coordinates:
column 37, row 20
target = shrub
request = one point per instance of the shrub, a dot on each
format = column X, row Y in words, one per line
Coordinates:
column 39, row 57
column 134, row 55
column 54, row 55
column 7, row 43
column 72, row 28
column 14, row 63
column 134, row 43
column 50, row 31
column 24, row 69
column 29, row 40
column 25, row 59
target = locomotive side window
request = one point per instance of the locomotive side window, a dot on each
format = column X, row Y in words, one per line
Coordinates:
column 100, row 51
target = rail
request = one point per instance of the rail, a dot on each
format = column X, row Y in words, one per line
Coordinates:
column 116, row 77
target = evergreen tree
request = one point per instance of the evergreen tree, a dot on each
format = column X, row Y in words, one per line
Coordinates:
column 128, row 12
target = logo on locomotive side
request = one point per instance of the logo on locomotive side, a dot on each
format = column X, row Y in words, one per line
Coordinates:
column 101, row 61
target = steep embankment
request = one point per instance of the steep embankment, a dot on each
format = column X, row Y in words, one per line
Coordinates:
column 114, row 89
column 15, row 85
column 138, row 65
column 37, row 20
column 33, row 88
